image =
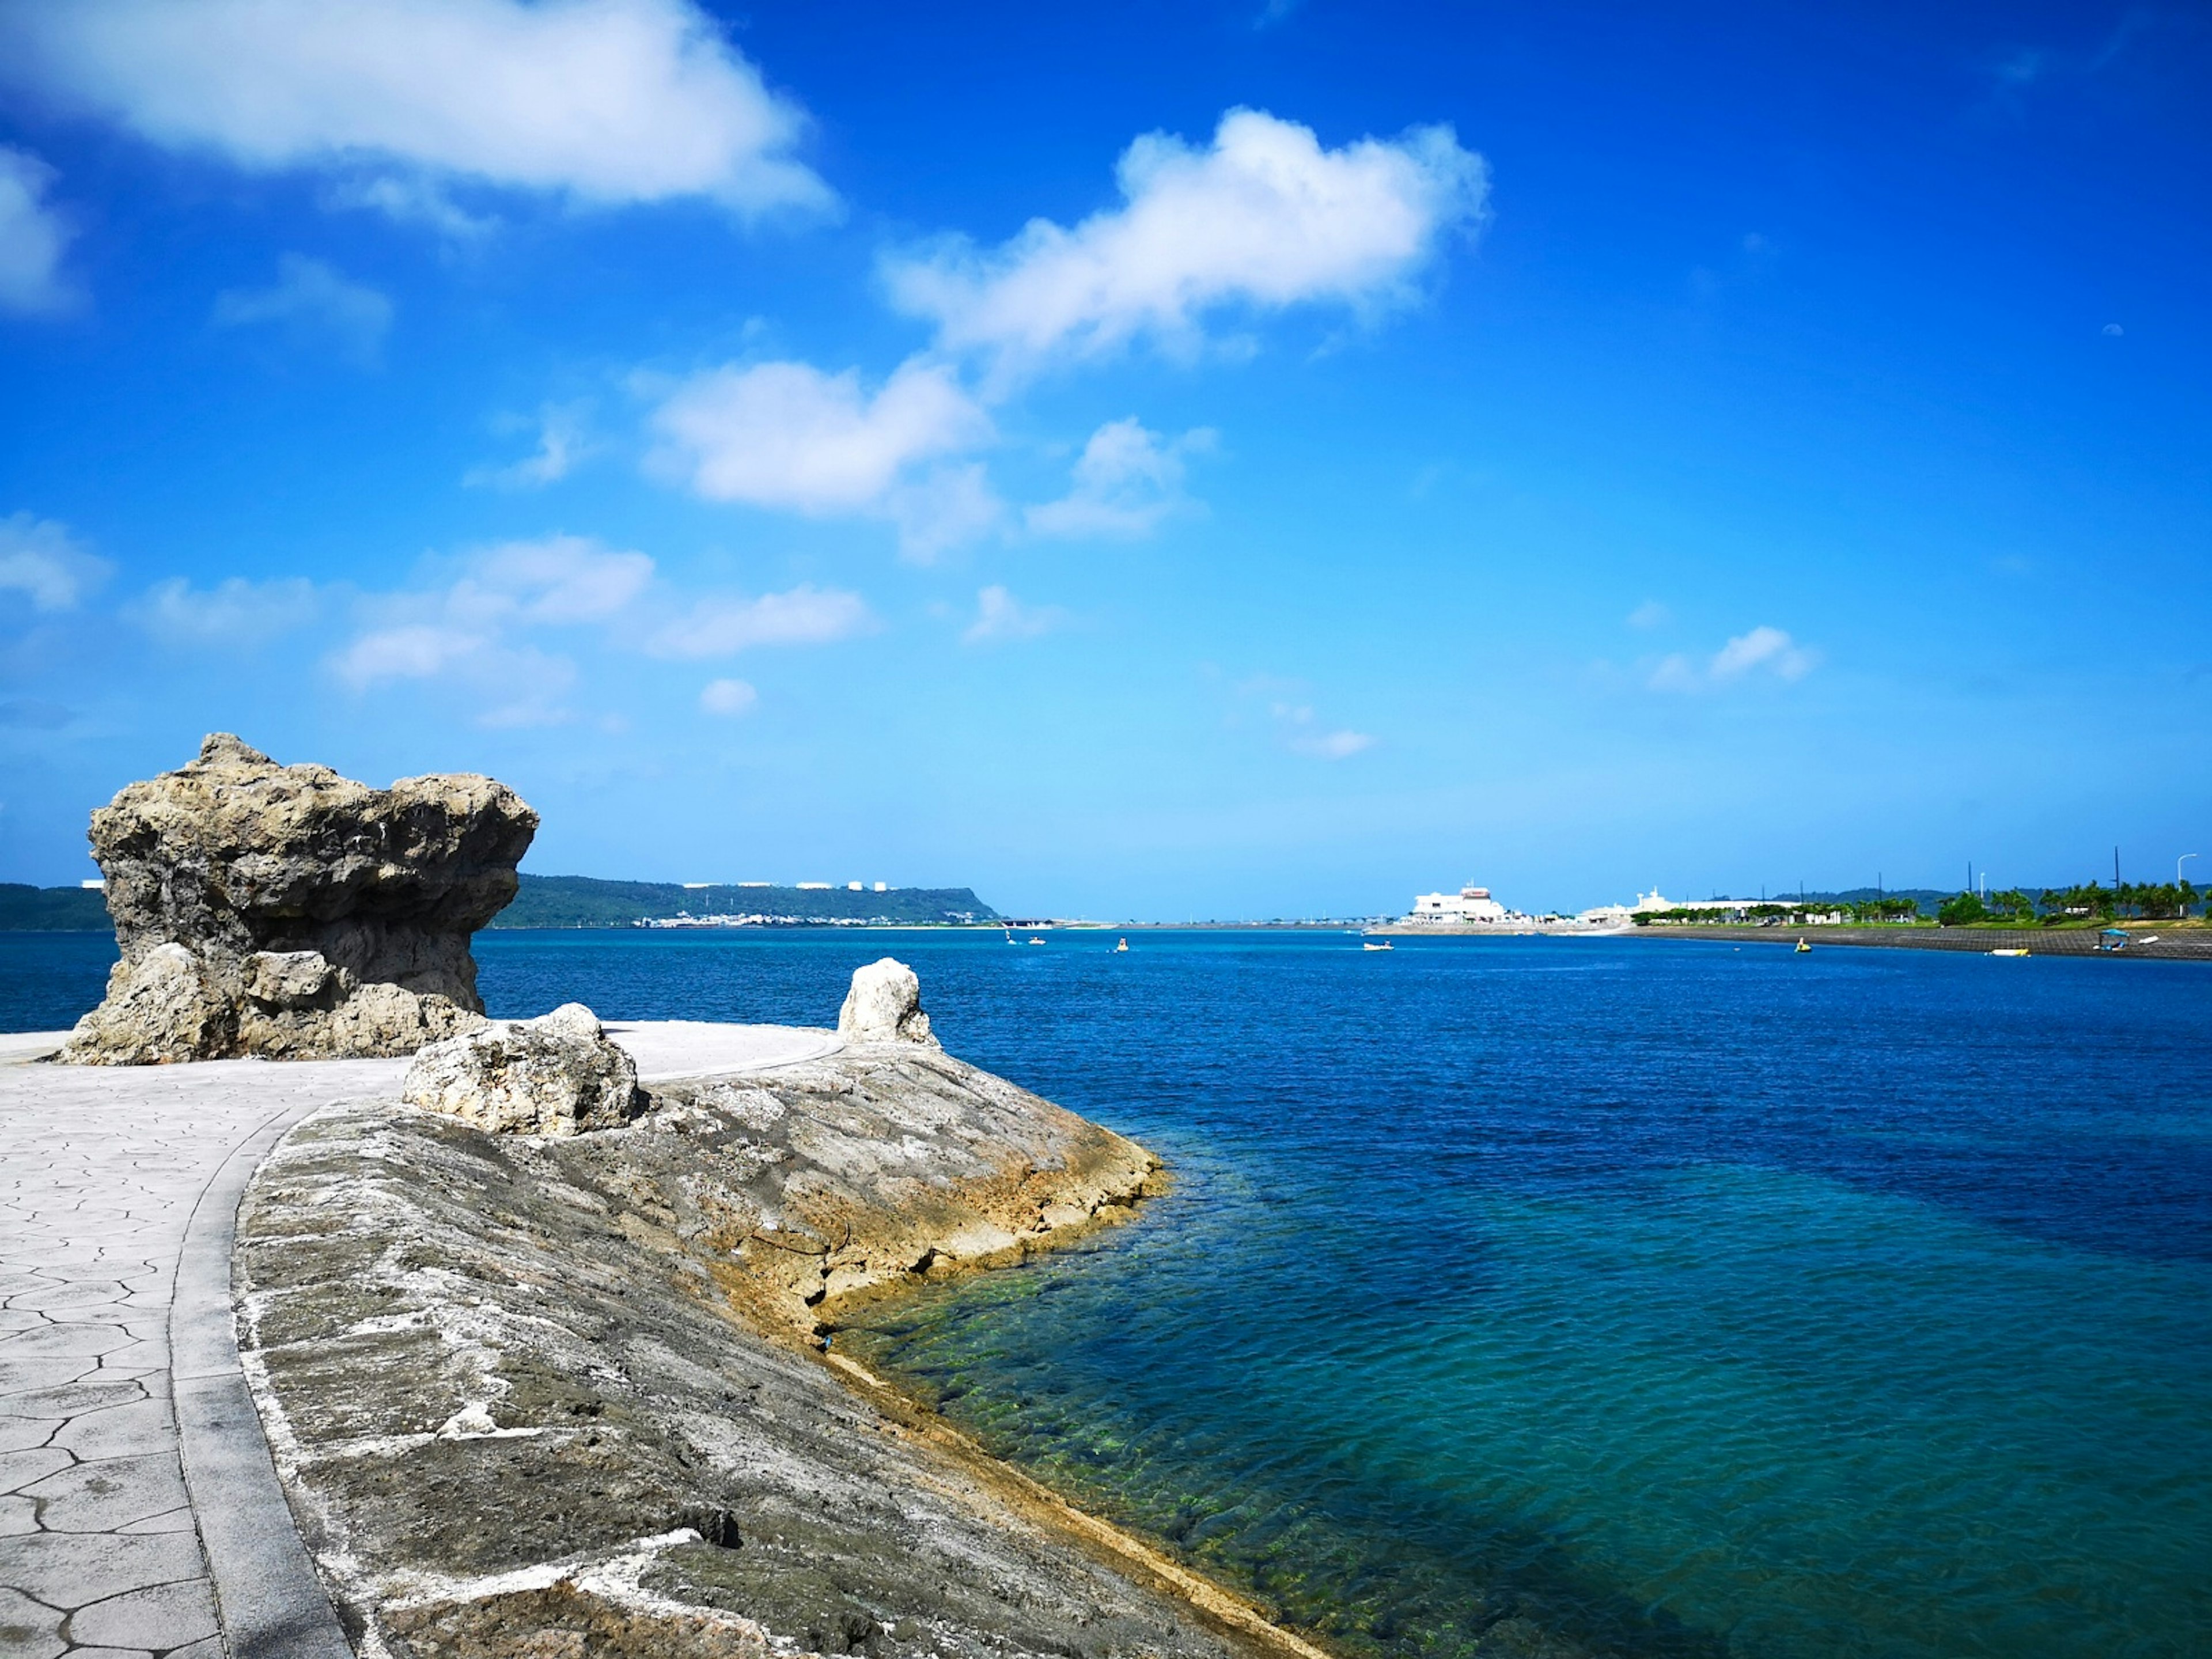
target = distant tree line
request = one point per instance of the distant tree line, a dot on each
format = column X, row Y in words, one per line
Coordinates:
column 2054, row 907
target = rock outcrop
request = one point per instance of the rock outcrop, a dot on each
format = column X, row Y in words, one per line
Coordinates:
column 557, row 1075
column 884, row 1005
column 287, row 912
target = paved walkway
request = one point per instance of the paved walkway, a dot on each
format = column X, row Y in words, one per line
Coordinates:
column 139, row 1512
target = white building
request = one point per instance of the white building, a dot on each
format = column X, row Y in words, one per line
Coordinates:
column 1468, row 905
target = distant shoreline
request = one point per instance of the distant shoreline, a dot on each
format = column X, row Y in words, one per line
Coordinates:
column 2155, row 941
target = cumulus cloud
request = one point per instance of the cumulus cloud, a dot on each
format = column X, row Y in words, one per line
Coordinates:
column 1000, row 616
column 314, row 304
column 233, row 612
column 32, row 238
column 1763, row 651
column 1650, row 614
column 562, row 441
column 1302, row 734
column 1264, row 217
column 787, row 435
column 43, row 562
column 1127, row 480
column 807, row 615
column 601, row 101
column 728, row 698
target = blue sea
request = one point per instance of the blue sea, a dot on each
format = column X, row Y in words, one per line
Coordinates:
column 1556, row 1295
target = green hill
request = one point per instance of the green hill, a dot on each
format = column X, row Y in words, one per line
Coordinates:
column 52, row 909
column 585, row 902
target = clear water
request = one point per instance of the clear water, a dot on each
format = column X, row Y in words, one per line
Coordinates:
column 1661, row 1297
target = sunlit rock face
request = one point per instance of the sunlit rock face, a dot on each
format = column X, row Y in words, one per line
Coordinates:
column 884, row 1005
column 287, row 912
column 555, row 1075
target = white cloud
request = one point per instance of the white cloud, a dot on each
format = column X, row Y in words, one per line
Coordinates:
column 1127, row 480
column 313, row 304
column 32, row 238
column 1264, row 217
column 556, row 580
column 804, row 615
column 471, row 632
column 1001, row 616
column 1650, row 614
column 233, row 612
column 787, row 435
column 602, row 102
column 412, row 650
column 728, row 698
column 1332, row 746
column 562, row 441
column 1302, row 735
column 1762, row 651
column 40, row 560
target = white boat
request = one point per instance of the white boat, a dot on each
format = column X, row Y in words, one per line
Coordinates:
column 1371, row 945
column 1033, row 940
column 1120, row 947
column 2008, row 953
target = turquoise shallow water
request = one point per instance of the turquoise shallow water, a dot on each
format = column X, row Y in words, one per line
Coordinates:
column 1567, row 1295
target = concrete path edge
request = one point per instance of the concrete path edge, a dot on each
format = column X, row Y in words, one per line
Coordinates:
column 269, row 1601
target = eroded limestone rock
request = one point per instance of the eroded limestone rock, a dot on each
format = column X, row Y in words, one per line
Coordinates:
column 289, row 912
column 884, row 1005
column 557, row 1075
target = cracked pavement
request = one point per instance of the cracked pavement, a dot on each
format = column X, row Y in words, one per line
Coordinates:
column 100, row 1169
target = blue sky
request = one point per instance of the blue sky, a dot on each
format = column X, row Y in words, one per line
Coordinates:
column 1150, row 461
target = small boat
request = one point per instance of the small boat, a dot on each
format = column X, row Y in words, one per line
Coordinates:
column 1010, row 936
column 2008, row 953
column 1120, row 947
column 1802, row 948
column 1371, row 945
column 1033, row 940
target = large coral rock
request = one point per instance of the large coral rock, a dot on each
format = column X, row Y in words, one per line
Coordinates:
column 288, row 911
column 558, row 1075
column 884, row 1005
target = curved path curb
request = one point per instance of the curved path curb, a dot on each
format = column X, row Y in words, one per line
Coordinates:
column 271, row 1603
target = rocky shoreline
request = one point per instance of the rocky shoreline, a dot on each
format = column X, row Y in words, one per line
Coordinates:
column 544, row 1396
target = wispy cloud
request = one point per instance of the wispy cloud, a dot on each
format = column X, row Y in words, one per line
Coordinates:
column 1127, row 480
column 475, row 631
column 1000, row 617
column 1649, row 615
column 33, row 238
column 604, row 102
column 563, row 441
column 314, row 304
column 721, row 627
column 728, row 698
column 42, row 561
column 1297, row 725
column 1262, row 218
column 233, row 612
column 1764, row 653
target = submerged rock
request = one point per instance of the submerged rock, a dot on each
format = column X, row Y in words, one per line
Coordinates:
column 557, row 1075
column 884, row 1005
column 288, row 911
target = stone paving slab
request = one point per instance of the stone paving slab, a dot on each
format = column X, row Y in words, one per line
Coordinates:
column 101, row 1173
